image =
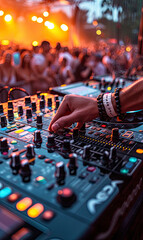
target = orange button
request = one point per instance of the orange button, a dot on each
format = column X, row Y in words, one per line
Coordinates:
column 23, row 204
column 139, row 151
column 13, row 197
column 35, row 210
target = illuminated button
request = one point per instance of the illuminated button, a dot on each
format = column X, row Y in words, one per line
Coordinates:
column 40, row 179
column 48, row 215
column 14, row 197
column 91, row 169
column 32, row 129
column 103, row 125
column 124, row 171
column 133, row 159
column 139, row 151
column 23, row 233
column 13, row 142
column 5, row 192
column 108, row 88
column 129, row 165
column 19, row 131
column 23, row 204
column 35, row 210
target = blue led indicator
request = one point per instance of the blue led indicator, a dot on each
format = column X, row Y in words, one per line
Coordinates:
column 5, row 192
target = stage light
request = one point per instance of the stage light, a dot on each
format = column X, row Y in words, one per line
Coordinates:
column 34, row 18
column 45, row 14
column 35, row 43
column 5, row 42
column 98, row 32
column 95, row 23
column 64, row 27
column 8, row 18
column 128, row 49
column 49, row 25
column 1, row 13
column 39, row 20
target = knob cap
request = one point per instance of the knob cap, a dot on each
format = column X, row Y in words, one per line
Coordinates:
column 28, row 113
column 66, row 197
column 112, row 153
column 15, row 162
column 49, row 102
column 66, row 146
column 34, row 108
column 60, row 173
column 30, row 153
column 4, row 145
column 39, row 122
column 27, row 101
column 37, row 138
column 42, row 104
column 3, row 121
column 50, row 142
column 20, row 110
column 25, row 171
column 10, row 104
column 86, row 154
column 72, row 164
column 1, row 108
column 10, row 115
column 115, row 135
column 105, row 157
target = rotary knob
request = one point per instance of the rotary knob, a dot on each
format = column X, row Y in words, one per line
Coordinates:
column 75, row 133
column 30, row 153
column 3, row 121
column 50, row 143
column 4, row 147
column 15, row 162
column 72, row 164
column 66, row 197
column 1, row 108
column 34, row 108
column 25, row 171
column 27, row 101
column 49, row 102
column 86, row 154
column 60, row 173
column 115, row 135
column 10, row 104
column 57, row 104
column 105, row 157
column 20, row 110
column 42, row 104
column 10, row 115
column 112, row 153
column 37, row 138
column 39, row 122
column 28, row 113
column 66, row 146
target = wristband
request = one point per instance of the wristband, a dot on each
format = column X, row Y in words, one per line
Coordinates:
column 108, row 105
column 118, row 105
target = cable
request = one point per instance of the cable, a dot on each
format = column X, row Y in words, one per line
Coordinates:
column 14, row 89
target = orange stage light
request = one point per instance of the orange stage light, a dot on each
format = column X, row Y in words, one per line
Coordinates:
column 98, row 32
column 64, row 27
column 128, row 49
column 34, row 18
column 49, row 25
column 5, row 42
column 39, row 20
column 35, row 43
column 95, row 23
column 8, row 18
column 45, row 14
column 1, row 12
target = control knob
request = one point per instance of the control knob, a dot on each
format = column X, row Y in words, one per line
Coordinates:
column 75, row 133
column 115, row 135
column 3, row 121
column 28, row 113
column 86, row 154
column 49, row 102
column 15, row 162
column 112, row 153
column 20, row 110
column 72, row 164
column 1, row 108
column 10, row 104
column 27, row 101
column 66, row 146
column 66, row 197
column 10, row 115
column 4, row 145
column 37, row 138
column 30, row 153
column 25, row 171
column 50, row 143
column 60, row 173
column 39, row 122
column 42, row 104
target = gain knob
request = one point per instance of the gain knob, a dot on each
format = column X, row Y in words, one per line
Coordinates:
column 37, row 138
column 25, row 171
column 28, row 113
column 3, row 121
column 4, row 147
column 72, row 164
column 20, row 110
column 39, row 122
column 15, row 162
column 34, row 108
column 30, row 153
column 66, row 146
column 42, row 104
column 49, row 103
column 27, row 101
column 115, row 135
column 10, row 104
column 50, row 143
column 10, row 115
column 66, row 197
column 60, row 173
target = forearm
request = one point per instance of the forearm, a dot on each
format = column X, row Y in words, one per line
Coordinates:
column 131, row 98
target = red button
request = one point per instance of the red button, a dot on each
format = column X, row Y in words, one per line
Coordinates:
column 13, row 197
column 91, row 169
column 48, row 215
column 104, row 126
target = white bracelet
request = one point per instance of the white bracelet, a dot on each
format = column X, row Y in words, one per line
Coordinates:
column 108, row 105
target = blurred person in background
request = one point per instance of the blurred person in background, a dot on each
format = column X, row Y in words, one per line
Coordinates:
column 99, row 68
column 66, row 75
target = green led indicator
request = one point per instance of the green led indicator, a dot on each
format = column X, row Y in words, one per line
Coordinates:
column 133, row 159
column 124, row 171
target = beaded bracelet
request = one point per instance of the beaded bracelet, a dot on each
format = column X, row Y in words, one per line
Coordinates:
column 118, row 105
column 101, row 108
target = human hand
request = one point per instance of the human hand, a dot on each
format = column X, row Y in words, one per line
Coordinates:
column 73, row 109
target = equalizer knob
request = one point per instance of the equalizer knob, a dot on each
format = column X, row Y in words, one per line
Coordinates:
column 72, row 164
column 15, row 162
column 66, row 146
column 37, row 138
column 34, row 108
column 25, row 171
column 28, row 113
column 60, row 173
column 86, row 154
column 39, row 122
column 10, row 104
column 115, row 135
column 3, row 121
column 20, row 110
column 66, row 197
column 4, row 145
column 50, row 143
column 10, row 115
column 112, row 153
column 27, row 101
column 49, row 102
column 1, row 108
column 42, row 104
column 30, row 153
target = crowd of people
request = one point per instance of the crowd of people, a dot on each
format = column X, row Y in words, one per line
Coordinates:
column 43, row 66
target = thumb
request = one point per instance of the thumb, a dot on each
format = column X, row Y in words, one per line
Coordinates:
column 64, row 121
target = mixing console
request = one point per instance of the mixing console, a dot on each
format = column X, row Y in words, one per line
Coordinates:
column 73, row 185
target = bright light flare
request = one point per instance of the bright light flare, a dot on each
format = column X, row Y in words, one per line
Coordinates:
column 98, row 32
column 5, row 42
column 45, row 14
column 64, row 27
column 35, row 43
column 95, row 23
column 1, row 12
column 34, row 18
column 49, row 25
column 128, row 49
column 39, row 20
column 8, row 18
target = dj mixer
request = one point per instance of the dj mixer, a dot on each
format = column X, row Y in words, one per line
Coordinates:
column 70, row 185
